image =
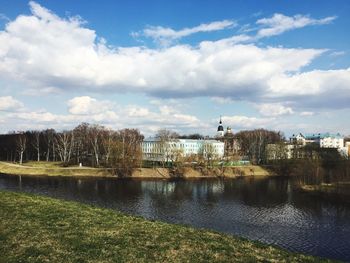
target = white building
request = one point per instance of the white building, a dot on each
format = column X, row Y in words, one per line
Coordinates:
column 155, row 150
column 324, row 140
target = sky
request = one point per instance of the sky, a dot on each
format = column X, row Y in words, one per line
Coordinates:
column 179, row 65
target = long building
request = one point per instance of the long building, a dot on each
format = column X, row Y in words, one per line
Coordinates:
column 156, row 150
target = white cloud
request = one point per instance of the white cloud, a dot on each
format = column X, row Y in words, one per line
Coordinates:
column 8, row 103
column 317, row 88
column 307, row 113
column 83, row 109
column 138, row 112
column 279, row 23
column 166, row 35
column 244, row 122
column 86, row 105
column 337, row 53
column 274, row 109
column 43, row 50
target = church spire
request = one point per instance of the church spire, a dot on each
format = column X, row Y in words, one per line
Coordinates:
column 220, row 132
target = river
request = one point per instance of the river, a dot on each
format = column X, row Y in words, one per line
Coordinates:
column 266, row 209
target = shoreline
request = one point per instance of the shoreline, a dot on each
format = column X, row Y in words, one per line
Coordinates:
column 331, row 191
column 138, row 173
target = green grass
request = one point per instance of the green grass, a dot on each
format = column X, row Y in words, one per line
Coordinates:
column 51, row 169
column 43, row 164
column 41, row 229
column 56, row 169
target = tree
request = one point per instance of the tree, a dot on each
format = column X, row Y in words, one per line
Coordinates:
column 94, row 135
column 126, row 152
column 21, row 145
column 64, row 142
column 208, row 153
column 253, row 143
column 107, row 143
column 36, row 143
column 166, row 141
column 49, row 135
column 81, row 143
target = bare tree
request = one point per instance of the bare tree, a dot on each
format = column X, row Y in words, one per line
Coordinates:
column 253, row 143
column 208, row 153
column 166, row 139
column 64, row 142
column 36, row 143
column 49, row 140
column 81, row 142
column 94, row 133
column 107, row 143
column 21, row 145
column 126, row 153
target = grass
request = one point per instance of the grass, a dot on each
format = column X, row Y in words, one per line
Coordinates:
column 56, row 169
column 41, row 229
column 43, row 164
column 51, row 169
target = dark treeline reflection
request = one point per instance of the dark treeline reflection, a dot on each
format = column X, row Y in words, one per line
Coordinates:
column 250, row 191
column 265, row 209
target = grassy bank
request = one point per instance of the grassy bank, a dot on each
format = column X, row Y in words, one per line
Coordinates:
column 51, row 169
column 55, row 169
column 41, row 229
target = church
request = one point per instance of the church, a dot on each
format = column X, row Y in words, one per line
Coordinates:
column 231, row 147
column 221, row 133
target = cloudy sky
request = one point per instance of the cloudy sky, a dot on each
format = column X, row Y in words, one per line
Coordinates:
column 281, row 65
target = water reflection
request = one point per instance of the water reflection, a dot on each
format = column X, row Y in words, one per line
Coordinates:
column 262, row 209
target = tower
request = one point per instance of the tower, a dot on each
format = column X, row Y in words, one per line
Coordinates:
column 220, row 132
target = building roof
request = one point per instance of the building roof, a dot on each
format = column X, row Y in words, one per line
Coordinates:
column 315, row 136
column 153, row 139
column 318, row 136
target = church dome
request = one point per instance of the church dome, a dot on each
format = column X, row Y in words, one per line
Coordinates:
column 220, row 127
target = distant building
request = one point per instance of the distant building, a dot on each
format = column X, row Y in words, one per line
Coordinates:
column 231, row 144
column 324, row 140
column 299, row 141
column 156, row 150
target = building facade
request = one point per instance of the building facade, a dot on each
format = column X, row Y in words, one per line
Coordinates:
column 297, row 143
column 324, row 140
column 232, row 147
column 156, row 150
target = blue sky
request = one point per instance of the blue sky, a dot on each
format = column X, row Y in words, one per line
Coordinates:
column 281, row 65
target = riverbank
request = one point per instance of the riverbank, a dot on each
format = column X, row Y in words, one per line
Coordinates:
column 335, row 190
column 51, row 169
column 41, row 229
column 54, row 169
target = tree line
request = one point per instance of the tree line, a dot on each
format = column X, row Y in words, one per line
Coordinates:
column 87, row 144
column 97, row 146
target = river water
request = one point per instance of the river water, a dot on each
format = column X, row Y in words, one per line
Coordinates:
column 266, row 209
